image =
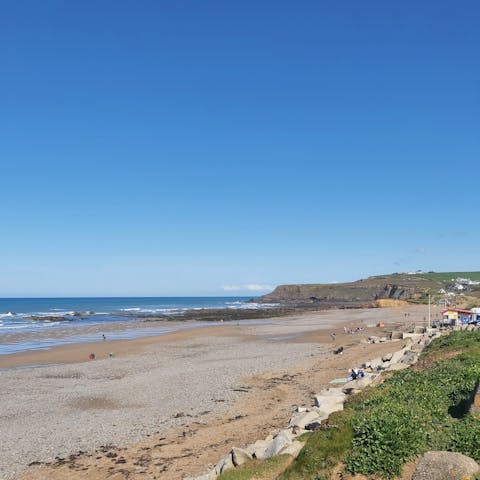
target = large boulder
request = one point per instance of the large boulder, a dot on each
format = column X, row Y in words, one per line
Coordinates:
column 398, row 366
column 282, row 440
column 226, row 463
column 293, row 449
column 332, row 391
column 376, row 364
column 240, row 456
column 301, row 419
column 409, row 358
column 257, row 449
column 330, row 400
column 445, row 466
column 355, row 386
column 211, row 475
column 397, row 356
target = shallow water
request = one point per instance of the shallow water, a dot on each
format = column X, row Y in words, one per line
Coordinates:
column 119, row 331
column 41, row 323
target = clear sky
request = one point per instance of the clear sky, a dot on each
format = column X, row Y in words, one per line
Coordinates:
column 214, row 147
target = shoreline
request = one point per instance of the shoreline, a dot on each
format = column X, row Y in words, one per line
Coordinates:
column 135, row 327
column 31, row 345
column 192, row 388
column 79, row 352
column 132, row 327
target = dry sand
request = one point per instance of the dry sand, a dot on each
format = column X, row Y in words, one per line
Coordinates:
column 170, row 406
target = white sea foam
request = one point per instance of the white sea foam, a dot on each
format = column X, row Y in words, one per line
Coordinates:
column 251, row 306
column 14, row 316
column 15, row 326
column 170, row 311
column 57, row 313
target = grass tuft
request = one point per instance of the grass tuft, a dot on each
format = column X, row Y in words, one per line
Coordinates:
column 259, row 470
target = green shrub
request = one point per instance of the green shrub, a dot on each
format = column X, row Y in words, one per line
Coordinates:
column 464, row 437
column 384, row 440
column 411, row 412
column 323, row 451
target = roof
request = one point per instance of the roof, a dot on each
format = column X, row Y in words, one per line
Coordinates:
column 458, row 310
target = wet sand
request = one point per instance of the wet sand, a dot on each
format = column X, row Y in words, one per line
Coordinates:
column 165, row 407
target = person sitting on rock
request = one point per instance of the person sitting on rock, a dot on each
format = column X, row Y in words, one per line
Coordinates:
column 356, row 374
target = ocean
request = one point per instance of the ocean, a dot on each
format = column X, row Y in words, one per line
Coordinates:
column 39, row 323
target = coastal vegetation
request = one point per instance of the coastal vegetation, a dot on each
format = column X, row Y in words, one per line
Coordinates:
column 460, row 288
column 270, row 468
column 413, row 411
column 448, row 276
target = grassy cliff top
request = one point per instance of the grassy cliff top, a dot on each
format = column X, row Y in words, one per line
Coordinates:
column 399, row 286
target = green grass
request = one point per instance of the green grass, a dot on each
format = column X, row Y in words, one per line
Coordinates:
column 410, row 413
column 257, row 469
column 447, row 276
column 456, row 341
column 322, row 452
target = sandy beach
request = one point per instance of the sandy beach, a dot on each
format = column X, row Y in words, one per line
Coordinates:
column 169, row 406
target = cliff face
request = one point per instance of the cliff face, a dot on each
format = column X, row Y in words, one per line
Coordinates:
column 361, row 292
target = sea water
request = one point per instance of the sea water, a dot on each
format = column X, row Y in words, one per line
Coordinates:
column 37, row 323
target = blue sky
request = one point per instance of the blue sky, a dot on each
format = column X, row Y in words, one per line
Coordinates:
column 209, row 148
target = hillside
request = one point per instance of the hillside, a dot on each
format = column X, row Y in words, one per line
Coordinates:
column 427, row 407
column 405, row 419
column 452, row 287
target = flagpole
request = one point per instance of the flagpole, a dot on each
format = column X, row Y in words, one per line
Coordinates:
column 429, row 312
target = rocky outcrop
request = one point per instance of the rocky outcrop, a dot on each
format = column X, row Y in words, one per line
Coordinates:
column 364, row 292
column 49, row 318
column 445, row 466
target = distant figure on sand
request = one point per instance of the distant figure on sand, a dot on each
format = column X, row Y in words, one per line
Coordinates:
column 333, row 335
column 103, row 336
column 338, row 351
column 91, row 356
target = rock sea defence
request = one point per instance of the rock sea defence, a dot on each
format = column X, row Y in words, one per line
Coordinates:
column 329, row 400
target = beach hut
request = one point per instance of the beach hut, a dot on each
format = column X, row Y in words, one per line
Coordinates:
column 475, row 314
column 456, row 316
